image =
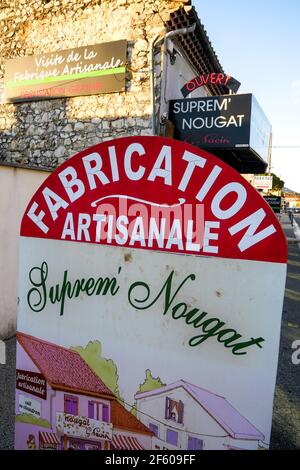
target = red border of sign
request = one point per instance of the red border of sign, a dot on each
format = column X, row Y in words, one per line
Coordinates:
column 272, row 248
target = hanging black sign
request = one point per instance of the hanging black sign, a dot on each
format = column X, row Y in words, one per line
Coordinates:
column 215, row 121
column 274, row 202
column 234, row 122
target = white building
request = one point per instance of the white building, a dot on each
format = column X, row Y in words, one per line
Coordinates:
column 213, row 423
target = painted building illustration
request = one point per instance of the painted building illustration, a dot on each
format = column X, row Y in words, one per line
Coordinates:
column 185, row 416
column 61, row 404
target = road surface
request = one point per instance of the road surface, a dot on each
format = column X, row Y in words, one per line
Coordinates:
column 286, row 414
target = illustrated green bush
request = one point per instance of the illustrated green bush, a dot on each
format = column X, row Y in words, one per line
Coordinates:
column 150, row 383
column 106, row 369
column 29, row 419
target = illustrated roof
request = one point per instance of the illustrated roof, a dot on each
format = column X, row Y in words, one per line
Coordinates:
column 217, row 407
column 62, row 367
column 123, row 419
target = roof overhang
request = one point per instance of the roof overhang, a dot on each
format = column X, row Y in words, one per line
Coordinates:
column 196, row 45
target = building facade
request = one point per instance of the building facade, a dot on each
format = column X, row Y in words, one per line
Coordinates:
column 213, row 422
column 61, row 404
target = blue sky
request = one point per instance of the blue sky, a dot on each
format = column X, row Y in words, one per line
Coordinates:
column 258, row 43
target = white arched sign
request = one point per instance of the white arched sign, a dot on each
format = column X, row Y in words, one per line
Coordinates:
column 151, row 289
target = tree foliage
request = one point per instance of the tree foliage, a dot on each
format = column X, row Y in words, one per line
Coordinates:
column 106, row 369
column 277, row 182
column 150, row 383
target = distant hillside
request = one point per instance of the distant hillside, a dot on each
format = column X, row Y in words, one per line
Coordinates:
column 289, row 191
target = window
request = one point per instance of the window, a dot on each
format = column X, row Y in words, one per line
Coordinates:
column 194, row 443
column 153, row 428
column 174, row 410
column 172, row 437
column 91, row 410
column 71, row 404
column 105, row 413
column 98, row 410
column 88, row 446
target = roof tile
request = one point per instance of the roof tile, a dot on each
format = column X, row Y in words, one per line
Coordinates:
column 62, row 367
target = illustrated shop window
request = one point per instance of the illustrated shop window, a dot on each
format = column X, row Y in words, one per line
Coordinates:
column 105, row 413
column 98, row 410
column 91, row 410
column 172, row 437
column 154, row 428
column 71, row 404
column 194, row 443
column 174, row 410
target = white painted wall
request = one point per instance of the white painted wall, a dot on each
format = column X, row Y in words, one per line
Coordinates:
column 242, row 444
column 17, row 186
column 178, row 75
column 175, row 77
column 196, row 421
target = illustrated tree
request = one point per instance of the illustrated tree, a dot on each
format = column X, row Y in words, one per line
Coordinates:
column 106, row 369
column 150, row 383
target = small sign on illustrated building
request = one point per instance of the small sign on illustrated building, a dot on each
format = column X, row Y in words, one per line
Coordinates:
column 151, row 288
column 87, row 70
column 29, row 406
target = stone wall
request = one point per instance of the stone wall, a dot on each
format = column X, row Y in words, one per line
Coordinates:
column 45, row 133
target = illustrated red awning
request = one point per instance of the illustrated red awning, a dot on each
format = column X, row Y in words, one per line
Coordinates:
column 123, row 442
column 49, row 438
